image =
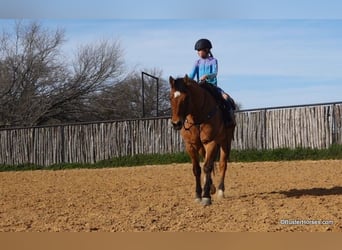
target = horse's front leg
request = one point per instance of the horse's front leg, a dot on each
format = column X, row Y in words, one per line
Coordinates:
column 196, row 168
column 208, row 166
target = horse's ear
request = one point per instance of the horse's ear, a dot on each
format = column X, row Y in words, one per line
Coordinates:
column 186, row 79
column 172, row 81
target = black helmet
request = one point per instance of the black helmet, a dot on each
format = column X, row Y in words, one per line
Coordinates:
column 203, row 44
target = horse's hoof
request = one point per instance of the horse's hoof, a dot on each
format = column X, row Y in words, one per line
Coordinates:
column 206, row 201
column 198, row 200
column 220, row 194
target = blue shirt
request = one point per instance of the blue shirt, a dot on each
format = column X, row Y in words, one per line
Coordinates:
column 207, row 66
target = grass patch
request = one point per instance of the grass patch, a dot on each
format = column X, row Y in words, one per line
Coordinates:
column 122, row 161
column 284, row 154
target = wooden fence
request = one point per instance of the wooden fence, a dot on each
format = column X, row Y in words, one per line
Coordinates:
column 310, row 126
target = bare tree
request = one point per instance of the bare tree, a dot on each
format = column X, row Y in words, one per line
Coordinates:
column 37, row 85
column 28, row 66
column 95, row 67
column 124, row 100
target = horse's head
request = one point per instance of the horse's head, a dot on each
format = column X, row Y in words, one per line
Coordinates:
column 179, row 98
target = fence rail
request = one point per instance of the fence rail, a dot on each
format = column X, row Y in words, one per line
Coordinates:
column 309, row 126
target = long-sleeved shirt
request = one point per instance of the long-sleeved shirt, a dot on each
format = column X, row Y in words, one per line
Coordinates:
column 207, row 66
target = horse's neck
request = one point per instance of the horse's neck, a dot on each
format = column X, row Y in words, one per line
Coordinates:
column 203, row 103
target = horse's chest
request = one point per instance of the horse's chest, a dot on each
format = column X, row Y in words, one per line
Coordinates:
column 207, row 134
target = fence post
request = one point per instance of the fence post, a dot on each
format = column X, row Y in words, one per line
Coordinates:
column 62, row 144
column 265, row 130
column 334, row 125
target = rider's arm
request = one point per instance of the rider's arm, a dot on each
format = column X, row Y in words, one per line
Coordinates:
column 213, row 70
column 194, row 72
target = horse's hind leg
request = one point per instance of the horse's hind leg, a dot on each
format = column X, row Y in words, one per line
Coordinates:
column 222, row 172
column 224, row 157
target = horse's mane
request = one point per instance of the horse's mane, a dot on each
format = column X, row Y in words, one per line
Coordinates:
column 211, row 89
column 182, row 87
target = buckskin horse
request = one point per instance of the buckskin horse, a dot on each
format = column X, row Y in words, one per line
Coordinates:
column 196, row 114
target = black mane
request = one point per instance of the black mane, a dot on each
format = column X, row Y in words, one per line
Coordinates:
column 180, row 85
column 211, row 89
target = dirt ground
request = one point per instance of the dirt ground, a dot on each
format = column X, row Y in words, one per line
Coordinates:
column 269, row 196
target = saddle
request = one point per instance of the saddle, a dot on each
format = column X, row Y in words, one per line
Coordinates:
column 227, row 106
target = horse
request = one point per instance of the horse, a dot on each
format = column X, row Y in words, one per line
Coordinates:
column 196, row 114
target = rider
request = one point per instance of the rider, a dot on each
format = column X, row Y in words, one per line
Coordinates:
column 205, row 70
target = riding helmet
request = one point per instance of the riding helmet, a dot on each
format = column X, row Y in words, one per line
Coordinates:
column 203, row 44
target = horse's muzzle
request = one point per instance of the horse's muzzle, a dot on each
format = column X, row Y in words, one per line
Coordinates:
column 177, row 125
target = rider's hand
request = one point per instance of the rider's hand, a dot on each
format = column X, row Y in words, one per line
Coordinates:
column 203, row 78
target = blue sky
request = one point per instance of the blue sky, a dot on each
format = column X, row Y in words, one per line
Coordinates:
column 156, row 9
column 264, row 60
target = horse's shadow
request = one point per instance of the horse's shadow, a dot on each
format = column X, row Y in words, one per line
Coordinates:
column 337, row 190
